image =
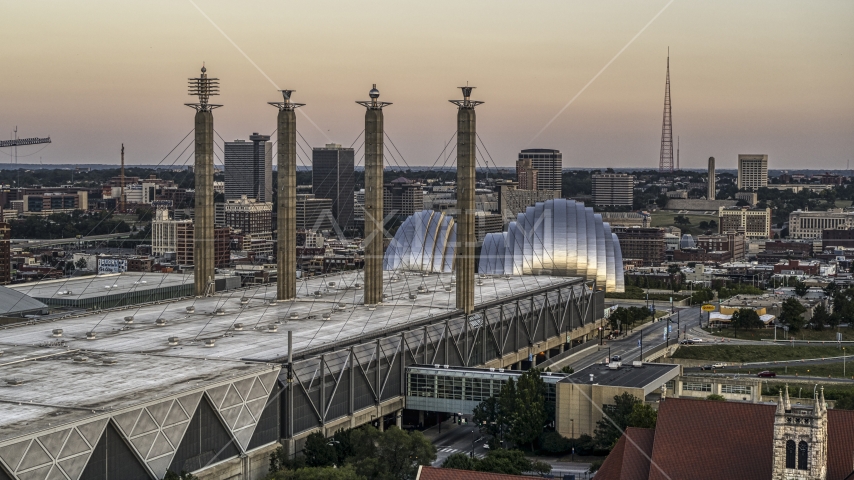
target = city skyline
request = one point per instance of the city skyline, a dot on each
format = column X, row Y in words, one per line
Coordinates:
column 756, row 78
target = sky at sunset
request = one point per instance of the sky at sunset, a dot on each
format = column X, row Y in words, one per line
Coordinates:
column 771, row 77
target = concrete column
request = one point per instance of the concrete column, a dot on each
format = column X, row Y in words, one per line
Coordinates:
column 398, row 418
column 286, row 222
column 381, row 423
column 466, row 161
column 373, row 243
column 203, row 224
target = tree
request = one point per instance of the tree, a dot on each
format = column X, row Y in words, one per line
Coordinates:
column 681, row 220
column 486, row 416
column 510, row 462
column 791, row 314
column 746, row 318
column 801, row 289
column 81, row 264
column 617, row 418
column 643, row 416
column 820, row 318
column 170, row 475
column 390, row 455
column 459, row 461
column 318, row 452
column 318, row 473
column 528, row 416
column 715, row 397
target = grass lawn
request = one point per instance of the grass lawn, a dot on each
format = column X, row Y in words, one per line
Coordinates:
column 768, row 333
column 753, row 353
column 665, row 219
column 843, row 203
column 834, row 370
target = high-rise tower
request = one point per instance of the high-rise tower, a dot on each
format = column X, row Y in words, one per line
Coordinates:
column 248, row 168
column 286, row 223
column 466, row 138
column 203, row 225
column 665, row 164
column 373, row 197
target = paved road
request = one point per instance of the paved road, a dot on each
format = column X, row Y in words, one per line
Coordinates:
column 455, row 439
column 627, row 346
column 65, row 241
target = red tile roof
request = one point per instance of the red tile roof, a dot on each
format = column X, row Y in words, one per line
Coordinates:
column 840, row 444
column 708, row 439
column 629, row 460
column 432, row 473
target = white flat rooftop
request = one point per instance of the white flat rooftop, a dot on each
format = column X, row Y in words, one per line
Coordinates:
column 99, row 285
column 48, row 386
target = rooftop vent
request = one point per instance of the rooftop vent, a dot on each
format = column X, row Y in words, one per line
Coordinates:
column 412, row 296
column 445, row 366
column 129, row 319
column 293, row 316
column 210, row 342
column 57, row 332
column 342, row 306
column 244, row 300
column 80, row 359
column 238, row 326
column 91, row 335
column 371, row 307
column 357, row 286
column 191, row 309
column 173, row 340
column 160, row 322
column 318, row 293
column 273, row 302
column 491, row 369
column 220, row 311
column 326, row 316
column 14, row 382
column 422, row 289
column 110, row 360
column 448, row 289
column 272, row 328
column 480, row 283
column 500, row 370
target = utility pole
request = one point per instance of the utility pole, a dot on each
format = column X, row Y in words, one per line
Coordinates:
column 122, row 183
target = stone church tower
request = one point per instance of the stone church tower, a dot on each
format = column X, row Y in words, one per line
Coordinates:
column 800, row 440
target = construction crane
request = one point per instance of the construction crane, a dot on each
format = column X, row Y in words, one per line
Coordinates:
column 16, row 142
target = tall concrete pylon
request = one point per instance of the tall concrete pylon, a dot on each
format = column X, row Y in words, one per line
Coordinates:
column 204, row 87
column 373, row 243
column 286, row 219
column 466, row 146
column 710, row 195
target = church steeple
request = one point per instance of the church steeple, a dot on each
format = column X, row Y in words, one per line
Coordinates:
column 800, row 439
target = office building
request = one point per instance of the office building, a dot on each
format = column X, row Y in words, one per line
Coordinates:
column 646, row 245
column 752, row 171
column 613, row 189
column 332, row 178
column 548, row 165
column 248, row 168
column 626, row 219
column 731, row 242
column 55, row 202
column 313, row 213
column 164, row 232
column 185, row 252
column 755, row 223
column 5, row 254
column 402, row 197
column 526, row 174
column 513, row 201
column 837, row 239
column 249, row 216
column 810, row 225
column 485, row 223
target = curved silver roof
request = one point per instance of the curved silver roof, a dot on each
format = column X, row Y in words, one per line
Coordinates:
column 561, row 237
column 424, row 243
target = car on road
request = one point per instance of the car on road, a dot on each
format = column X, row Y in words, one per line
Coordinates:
column 697, row 340
column 616, row 358
column 718, row 365
column 687, row 341
column 766, row 373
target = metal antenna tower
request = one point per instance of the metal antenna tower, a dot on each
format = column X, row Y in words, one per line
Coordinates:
column 122, row 183
column 665, row 163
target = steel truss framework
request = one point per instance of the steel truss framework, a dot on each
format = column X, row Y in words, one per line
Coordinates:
column 341, row 383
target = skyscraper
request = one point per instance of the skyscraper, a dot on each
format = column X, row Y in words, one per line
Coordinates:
column 548, row 165
column 752, row 172
column 332, row 177
column 710, row 194
column 249, row 168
